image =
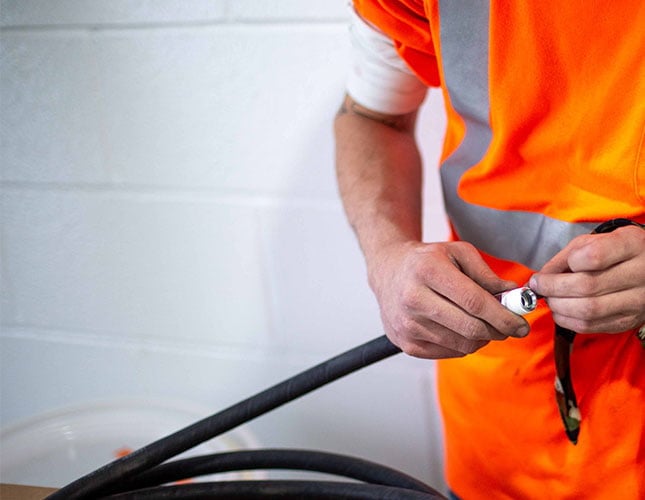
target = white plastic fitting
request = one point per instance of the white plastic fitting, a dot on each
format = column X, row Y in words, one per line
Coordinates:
column 521, row 300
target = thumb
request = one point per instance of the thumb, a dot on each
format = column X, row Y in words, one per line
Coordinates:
column 475, row 267
column 560, row 262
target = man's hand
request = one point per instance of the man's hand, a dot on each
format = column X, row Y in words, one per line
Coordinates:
column 597, row 282
column 436, row 299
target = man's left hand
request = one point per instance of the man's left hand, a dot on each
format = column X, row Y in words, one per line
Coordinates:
column 597, row 282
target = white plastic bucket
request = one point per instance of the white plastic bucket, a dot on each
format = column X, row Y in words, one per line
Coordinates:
column 57, row 447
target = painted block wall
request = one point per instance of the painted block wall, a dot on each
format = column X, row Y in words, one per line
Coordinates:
column 170, row 225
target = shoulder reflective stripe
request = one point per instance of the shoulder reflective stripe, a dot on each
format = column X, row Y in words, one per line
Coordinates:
column 525, row 237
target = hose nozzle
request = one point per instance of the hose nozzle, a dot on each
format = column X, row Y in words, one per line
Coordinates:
column 521, row 300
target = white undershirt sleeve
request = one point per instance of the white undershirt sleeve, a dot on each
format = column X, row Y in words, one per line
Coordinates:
column 379, row 79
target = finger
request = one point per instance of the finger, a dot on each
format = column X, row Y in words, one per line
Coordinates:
column 559, row 263
column 590, row 252
column 605, row 250
column 452, row 322
column 611, row 324
column 623, row 276
column 413, row 338
column 472, row 264
column 481, row 308
column 628, row 303
column 454, row 334
column 430, row 350
column 424, row 324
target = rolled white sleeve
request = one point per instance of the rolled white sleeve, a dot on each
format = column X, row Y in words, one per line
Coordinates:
column 379, row 79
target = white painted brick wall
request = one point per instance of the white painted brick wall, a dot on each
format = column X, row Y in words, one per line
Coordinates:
column 170, row 226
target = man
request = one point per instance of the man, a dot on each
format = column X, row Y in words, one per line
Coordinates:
column 546, row 121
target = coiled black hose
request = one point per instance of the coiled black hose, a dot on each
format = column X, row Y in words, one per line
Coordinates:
column 107, row 479
column 290, row 490
column 304, row 460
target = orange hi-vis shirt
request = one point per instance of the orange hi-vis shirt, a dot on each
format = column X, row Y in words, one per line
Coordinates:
column 545, row 137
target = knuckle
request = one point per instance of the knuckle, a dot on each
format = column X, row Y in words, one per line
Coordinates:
column 627, row 323
column 414, row 350
column 589, row 309
column 587, row 285
column 473, row 303
column 411, row 299
column 464, row 246
column 594, row 256
column 634, row 232
column 586, row 326
column 458, row 345
column 403, row 328
column 467, row 346
column 479, row 345
column 474, row 330
column 569, row 323
column 398, row 338
column 461, row 250
column 581, row 325
column 406, row 326
column 563, row 322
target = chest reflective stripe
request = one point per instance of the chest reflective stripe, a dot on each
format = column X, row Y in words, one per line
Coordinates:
column 526, row 237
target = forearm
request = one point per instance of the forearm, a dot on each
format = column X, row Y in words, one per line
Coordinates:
column 434, row 298
column 379, row 176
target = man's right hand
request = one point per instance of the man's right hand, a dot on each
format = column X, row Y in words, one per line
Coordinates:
column 437, row 299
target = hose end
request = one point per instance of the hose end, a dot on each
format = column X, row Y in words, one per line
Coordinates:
column 521, row 300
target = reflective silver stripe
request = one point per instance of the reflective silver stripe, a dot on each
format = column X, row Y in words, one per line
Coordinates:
column 525, row 237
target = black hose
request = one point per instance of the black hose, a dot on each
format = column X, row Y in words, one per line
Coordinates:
column 107, row 477
column 285, row 489
column 304, row 460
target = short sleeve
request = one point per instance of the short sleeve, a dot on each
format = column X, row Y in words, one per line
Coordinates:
column 406, row 24
column 379, row 79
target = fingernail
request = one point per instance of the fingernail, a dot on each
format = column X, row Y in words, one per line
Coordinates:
column 533, row 282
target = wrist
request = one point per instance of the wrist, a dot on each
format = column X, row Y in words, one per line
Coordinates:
column 387, row 261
